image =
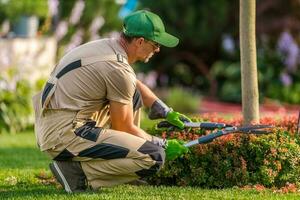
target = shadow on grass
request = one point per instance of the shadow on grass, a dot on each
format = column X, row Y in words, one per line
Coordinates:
column 23, row 158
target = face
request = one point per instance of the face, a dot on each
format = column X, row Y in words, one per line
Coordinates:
column 147, row 49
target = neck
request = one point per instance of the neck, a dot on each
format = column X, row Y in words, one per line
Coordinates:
column 126, row 46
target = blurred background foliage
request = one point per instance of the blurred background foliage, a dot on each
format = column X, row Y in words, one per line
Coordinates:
column 13, row 9
column 181, row 99
column 77, row 22
column 209, row 47
column 206, row 61
column 15, row 102
column 207, row 57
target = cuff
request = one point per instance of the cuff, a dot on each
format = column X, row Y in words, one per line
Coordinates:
column 158, row 110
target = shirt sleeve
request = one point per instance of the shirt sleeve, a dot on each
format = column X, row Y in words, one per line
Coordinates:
column 120, row 86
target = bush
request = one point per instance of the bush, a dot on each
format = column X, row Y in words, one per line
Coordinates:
column 182, row 100
column 270, row 68
column 15, row 103
column 15, row 8
column 228, row 75
column 237, row 160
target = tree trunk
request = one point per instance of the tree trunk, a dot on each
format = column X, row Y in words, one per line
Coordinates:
column 250, row 95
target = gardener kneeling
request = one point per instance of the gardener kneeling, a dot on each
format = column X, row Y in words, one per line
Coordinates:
column 87, row 116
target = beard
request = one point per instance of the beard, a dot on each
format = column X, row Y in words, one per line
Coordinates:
column 148, row 57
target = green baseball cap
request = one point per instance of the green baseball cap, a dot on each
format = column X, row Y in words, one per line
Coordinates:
column 148, row 25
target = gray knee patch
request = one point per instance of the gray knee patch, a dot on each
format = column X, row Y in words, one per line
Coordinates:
column 157, row 153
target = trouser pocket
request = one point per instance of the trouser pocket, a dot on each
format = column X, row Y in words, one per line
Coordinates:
column 89, row 131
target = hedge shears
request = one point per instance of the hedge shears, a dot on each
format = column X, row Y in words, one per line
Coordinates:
column 222, row 129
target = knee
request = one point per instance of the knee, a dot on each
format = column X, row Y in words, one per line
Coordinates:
column 157, row 154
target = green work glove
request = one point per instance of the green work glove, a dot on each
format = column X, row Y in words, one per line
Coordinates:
column 159, row 110
column 177, row 119
column 175, row 149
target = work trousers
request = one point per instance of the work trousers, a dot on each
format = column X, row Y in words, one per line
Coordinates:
column 109, row 157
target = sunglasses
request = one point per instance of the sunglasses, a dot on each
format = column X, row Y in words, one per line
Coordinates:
column 154, row 44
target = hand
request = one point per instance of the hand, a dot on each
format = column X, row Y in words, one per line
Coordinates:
column 175, row 149
column 177, row 119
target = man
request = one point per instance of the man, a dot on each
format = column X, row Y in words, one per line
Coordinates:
column 87, row 116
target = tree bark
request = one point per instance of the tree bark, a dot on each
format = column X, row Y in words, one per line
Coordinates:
column 250, row 96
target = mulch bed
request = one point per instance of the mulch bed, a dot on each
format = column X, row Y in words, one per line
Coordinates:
column 267, row 108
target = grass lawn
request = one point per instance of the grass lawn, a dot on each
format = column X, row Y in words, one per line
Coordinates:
column 24, row 174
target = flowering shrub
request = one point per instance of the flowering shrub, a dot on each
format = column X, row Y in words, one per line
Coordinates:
column 237, row 159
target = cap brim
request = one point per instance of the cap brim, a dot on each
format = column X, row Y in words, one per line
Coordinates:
column 167, row 40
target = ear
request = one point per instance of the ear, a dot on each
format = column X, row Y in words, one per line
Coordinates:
column 140, row 40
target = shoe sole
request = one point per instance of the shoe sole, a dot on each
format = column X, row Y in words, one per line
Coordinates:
column 59, row 176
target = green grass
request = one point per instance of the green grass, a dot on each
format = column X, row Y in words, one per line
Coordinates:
column 24, row 174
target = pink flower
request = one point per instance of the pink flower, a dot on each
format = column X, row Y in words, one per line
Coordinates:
column 97, row 23
column 61, row 30
column 289, row 49
column 77, row 12
column 75, row 40
column 53, row 7
column 286, row 79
